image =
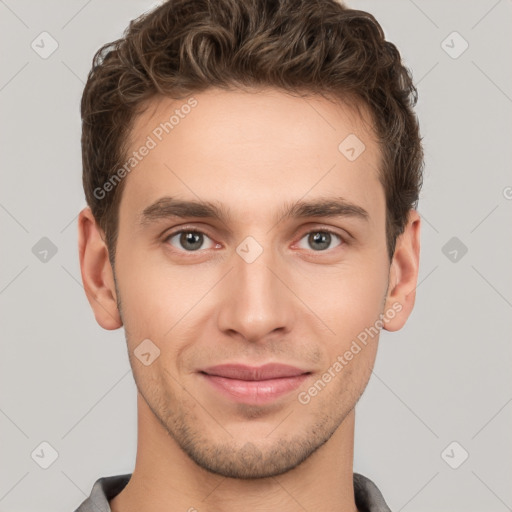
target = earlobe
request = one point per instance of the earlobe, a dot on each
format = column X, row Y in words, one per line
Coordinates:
column 97, row 273
column 403, row 275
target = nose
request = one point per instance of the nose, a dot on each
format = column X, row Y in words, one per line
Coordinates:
column 255, row 301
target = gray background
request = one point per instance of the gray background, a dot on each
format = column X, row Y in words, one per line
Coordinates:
column 445, row 377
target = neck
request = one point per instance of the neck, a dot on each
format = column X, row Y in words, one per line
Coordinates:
column 165, row 479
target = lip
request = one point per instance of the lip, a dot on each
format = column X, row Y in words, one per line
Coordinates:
column 254, row 384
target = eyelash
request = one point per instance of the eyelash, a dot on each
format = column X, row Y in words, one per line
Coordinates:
column 197, row 231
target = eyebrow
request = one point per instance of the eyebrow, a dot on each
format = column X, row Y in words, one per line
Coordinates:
column 169, row 207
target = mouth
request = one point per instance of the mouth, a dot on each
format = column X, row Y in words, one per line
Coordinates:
column 254, row 385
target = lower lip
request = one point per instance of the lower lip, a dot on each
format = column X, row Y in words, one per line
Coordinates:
column 255, row 391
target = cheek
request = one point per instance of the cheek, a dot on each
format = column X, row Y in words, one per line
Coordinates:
column 156, row 297
column 347, row 300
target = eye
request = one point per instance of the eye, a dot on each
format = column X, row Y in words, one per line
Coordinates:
column 189, row 240
column 320, row 240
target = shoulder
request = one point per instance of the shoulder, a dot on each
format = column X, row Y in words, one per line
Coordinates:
column 368, row 496
column 103, row 490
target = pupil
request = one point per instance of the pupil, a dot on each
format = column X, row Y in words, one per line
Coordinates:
column 191, row 240
column 322, row 239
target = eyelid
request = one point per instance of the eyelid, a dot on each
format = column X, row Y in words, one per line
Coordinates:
column 323, row 229
column 302, row 232
column 188, row 229
column 318, row 227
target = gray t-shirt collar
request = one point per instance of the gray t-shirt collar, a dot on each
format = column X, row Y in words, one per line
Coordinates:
column 367, row 495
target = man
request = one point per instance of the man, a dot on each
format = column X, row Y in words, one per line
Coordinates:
column 252, row 170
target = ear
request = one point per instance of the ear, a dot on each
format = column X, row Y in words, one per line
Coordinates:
column 403, row 275
column 97, row 273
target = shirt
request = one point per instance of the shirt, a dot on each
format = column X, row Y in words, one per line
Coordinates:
column 367, row 495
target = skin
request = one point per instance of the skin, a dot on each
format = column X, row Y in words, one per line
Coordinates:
column 254, row 153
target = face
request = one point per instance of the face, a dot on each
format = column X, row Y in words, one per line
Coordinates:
column 253, row 300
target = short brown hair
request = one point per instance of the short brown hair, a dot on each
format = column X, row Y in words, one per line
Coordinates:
column 186, row 46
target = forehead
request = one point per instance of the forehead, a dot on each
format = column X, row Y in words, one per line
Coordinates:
column 252, row 148
column 253, row 113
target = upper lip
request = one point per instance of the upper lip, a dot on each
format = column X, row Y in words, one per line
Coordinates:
column 244, row 372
